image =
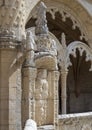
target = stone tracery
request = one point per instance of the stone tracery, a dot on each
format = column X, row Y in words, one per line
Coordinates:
column 66, row 13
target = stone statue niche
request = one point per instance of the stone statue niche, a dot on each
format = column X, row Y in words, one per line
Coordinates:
column 41, row 74
column 40, row 84
column 46, row 83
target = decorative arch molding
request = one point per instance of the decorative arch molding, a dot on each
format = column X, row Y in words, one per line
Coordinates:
column 64, row 57
column 65, row 13
column 64, row 51
column 78, row 11
column 75, row 11
column 82, row 47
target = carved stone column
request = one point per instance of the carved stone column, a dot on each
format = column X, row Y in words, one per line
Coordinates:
column 63, row 91
column 52, row 108
column 55, row 78
column 28, row 89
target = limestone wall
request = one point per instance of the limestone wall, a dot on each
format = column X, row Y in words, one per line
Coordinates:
column 79, row 121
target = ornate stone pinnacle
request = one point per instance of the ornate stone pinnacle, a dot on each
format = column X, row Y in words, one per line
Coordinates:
column 63, row 40
column 41, row 23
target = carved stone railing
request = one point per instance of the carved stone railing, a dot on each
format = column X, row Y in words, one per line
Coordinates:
column 81, row 121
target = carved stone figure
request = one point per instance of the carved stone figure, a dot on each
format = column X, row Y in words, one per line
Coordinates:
column 30, row 125
column 30, row 47
column 41, row 95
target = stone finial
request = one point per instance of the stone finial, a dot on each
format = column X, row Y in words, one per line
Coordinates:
column 63, row 40
column 41, row 23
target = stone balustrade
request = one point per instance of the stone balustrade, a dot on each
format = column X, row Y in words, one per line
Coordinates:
column 79, row 121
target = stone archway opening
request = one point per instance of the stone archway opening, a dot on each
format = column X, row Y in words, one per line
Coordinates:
column 79, row 85
column 76, row 87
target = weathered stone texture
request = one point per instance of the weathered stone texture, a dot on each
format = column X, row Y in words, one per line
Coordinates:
column 75, row 122
column 31, row 64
